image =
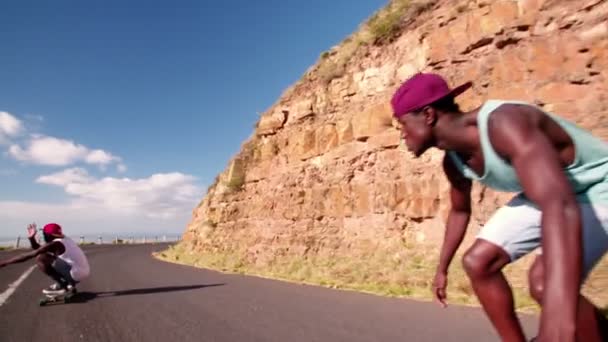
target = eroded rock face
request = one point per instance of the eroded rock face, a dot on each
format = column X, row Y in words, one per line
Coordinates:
column 324, row 173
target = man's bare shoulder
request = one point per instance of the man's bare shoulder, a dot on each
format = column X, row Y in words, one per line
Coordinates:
column 508, row 112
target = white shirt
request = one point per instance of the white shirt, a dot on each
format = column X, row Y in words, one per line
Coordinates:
column 74, row 256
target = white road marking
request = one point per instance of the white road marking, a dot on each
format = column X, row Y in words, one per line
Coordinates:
column 12, row 287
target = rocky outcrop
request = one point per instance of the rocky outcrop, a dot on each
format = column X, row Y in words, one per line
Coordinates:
column 324, row 173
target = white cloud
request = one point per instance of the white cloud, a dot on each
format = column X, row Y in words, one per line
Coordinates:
column 92, row 220
column 65, row 177
column 161, row 196
column 100, row 157
column 45, row 150
column 122, row 168
column 162, row 202
column 10, row 127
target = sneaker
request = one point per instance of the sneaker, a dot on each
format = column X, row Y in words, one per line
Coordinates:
column 55, row 287
column 54, row 292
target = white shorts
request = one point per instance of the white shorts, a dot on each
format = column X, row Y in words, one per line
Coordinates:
column 516, row 228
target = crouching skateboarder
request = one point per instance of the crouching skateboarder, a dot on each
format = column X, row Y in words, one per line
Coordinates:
column 60, row 258
column 560, row 173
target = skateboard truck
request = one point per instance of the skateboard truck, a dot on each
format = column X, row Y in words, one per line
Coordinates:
column 56, row 298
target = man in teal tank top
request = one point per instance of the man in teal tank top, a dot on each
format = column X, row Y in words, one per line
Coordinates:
column 560, row 174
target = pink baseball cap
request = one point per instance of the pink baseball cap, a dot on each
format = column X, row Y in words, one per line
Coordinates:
column 421, row 90
column 53, row 229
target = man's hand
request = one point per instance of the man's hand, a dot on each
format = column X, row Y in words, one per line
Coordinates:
column 31, row 231
column 440, row 284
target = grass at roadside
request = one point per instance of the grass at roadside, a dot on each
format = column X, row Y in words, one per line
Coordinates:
column 409, row 274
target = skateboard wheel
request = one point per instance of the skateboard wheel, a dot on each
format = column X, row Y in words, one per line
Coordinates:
column 42, row 302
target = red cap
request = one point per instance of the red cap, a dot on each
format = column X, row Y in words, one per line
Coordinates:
column 422, row 90
column 53, row 229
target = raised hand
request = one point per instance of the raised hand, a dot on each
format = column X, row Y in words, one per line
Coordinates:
column 31, row 230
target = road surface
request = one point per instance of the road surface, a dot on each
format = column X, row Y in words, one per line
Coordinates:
column 134, row 297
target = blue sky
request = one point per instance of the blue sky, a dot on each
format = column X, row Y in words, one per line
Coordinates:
column 116, row 115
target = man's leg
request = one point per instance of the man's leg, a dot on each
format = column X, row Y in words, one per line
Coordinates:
column 512, row 232
column 45, row 264
column 65, row 271
column 483, row 263
column 591, row 325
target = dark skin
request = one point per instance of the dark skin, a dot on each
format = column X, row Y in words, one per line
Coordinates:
column 45, row 255
column 538, row 149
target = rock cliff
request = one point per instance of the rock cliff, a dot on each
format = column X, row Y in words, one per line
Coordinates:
column 324, row 177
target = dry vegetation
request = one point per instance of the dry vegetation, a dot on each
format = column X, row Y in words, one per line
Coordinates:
column 381, row 28
column 410, row 275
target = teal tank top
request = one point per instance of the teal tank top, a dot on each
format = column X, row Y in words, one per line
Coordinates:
column 588, row 174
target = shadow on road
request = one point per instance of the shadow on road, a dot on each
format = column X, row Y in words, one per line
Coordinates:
column 83, row 297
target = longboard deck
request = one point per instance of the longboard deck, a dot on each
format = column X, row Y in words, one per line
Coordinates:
column 56, row 299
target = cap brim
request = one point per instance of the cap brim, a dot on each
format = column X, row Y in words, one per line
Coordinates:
column 461, row 89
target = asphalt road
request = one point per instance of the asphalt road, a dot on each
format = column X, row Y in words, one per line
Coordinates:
column 134, row 297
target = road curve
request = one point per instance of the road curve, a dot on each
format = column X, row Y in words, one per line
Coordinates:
column 134, row 297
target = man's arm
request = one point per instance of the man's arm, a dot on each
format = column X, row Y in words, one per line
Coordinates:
column 517, row 137
column 31, row 235
column 50, row 247
column 456, row 227
column 459, row 215
column 35, row 245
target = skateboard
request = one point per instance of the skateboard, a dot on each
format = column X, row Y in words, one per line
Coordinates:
column 51, row 299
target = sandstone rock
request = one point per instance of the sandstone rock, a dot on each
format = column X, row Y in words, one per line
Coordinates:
column 481, row 29
column 301, row 110
column 326, row 138
column 390, row 138
column 347, row 152
column 268, row 149
column 361, row 199
column 320, row 104
column 457, row 39
column 335, row 202
column 544, row 28
column 304, row 144
column 345, row 132
column 529, row 8
column 598, row 31
column 271, row 123
column 588, row 5
column 517, row 92
column 374, row 80
column 372, row 122
column 319, row 195
column 413, row 60
column 502, row 14
column 259, row 171
column 561, row 92
column 595, row 11
column 542, row 58
column 342, row 87
column 236, row 172
column 599, row 55
column 384, row 197
column 510, row 68
column 439, row 47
